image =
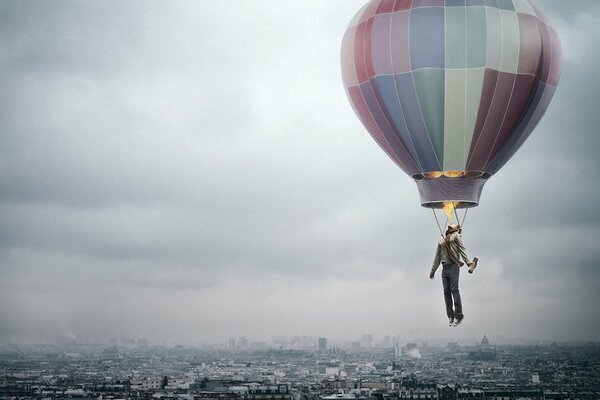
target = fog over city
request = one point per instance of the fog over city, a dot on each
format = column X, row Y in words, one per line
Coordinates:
column 192, row 171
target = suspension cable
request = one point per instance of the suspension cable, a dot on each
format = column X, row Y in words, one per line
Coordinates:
column 455, row 213
column 464, row 217
column 437, row 221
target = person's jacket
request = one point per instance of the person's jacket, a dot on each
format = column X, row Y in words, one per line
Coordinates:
column 456, row 246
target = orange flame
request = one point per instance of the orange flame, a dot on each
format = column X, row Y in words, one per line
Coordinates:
column 447, row 174
column 448, row 210
column 454, row 174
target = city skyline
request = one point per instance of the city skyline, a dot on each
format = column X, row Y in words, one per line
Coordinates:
column 446, row 372
column 185, row 170
column 302, row 342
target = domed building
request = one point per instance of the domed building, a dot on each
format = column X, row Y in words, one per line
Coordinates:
column 485, row 352
column 485, row 341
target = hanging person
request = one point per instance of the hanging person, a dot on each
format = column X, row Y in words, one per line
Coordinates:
column 449, row 251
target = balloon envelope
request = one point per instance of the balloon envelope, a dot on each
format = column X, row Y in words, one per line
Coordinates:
column 450, row 89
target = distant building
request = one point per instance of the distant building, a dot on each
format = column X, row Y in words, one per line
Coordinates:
column 128, row 342
column 223, row 389
column 322, row 344
column 397, row 350
column 258, row 345
column 243, row 342
column 453, row 346
column 535, row 378
column 485, row 341
column 3, row 381
column 367, row 341
column 145, row 384
column 232, row 343
column 111, row 387
column 268, row 392
column 446, row 392
column 142, row 342
column 412, row 389
column 386, row 340
column 514, row 394
column 485, row 352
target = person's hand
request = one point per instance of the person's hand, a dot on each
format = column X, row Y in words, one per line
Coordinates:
column 431, row 275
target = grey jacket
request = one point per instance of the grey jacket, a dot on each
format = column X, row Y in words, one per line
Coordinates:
column 456, row 246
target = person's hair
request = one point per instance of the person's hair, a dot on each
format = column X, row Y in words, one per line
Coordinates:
column 453, row 228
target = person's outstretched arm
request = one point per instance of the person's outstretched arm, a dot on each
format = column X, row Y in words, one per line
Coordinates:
column 436, row 261
column 462, row 250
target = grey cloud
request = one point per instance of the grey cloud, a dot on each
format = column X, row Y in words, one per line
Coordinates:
column 158, row 157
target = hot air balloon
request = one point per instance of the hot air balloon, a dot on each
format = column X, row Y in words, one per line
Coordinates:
column 450, row 89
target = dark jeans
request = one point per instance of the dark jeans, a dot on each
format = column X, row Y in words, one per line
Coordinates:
column 450, row 273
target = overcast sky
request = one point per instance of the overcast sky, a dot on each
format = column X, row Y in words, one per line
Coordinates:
column 191, row 171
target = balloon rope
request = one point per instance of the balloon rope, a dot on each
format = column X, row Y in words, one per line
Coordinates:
column 455, row 213
column 464, row 217
column 438, row 222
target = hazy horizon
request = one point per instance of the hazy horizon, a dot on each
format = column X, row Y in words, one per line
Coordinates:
column 191, row 169
column 256, row 343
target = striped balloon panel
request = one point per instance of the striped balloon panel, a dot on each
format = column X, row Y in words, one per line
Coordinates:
column 450, row 84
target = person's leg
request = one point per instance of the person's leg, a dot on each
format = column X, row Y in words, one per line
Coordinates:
column 453, row 276
column 447, row 293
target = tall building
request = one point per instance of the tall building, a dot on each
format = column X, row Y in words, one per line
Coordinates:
column 232, row 343
column 322, row 344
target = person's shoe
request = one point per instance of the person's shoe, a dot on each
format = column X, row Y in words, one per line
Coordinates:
column 459, row 320
column 450, row 321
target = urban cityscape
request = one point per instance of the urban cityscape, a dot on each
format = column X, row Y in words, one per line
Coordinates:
column 300, row 368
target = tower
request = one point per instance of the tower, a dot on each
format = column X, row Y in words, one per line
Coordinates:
column 322, row 344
